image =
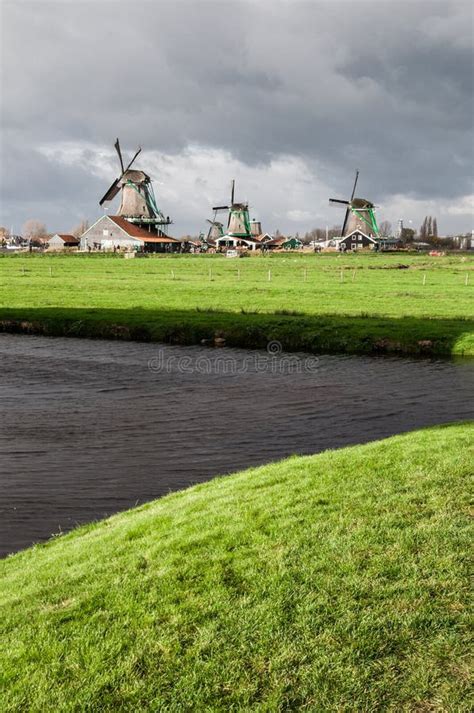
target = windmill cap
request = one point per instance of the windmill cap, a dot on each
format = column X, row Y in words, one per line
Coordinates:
column 135, row 176
column 361, row 203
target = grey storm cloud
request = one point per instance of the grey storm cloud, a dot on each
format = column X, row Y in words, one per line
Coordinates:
column 385, row 86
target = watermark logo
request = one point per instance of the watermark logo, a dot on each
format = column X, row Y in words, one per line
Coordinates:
column 275, row 361
column 274, row 348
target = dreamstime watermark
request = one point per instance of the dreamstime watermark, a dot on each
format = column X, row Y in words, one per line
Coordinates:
column 273, row 362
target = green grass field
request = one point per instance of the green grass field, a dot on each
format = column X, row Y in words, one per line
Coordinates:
column 337, row 582
column 354, row 304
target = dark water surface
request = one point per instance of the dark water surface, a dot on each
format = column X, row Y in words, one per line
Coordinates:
column 87, row 428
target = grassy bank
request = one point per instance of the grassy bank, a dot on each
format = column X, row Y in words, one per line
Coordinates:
column 333, row 582
column 319, row 303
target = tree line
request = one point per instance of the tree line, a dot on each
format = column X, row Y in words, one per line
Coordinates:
column 429, row 228
column 37, row 233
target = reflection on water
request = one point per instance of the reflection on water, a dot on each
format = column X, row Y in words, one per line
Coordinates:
column 89, row 428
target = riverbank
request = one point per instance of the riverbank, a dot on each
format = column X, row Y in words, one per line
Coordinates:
column 336, row 581
column 371, row 304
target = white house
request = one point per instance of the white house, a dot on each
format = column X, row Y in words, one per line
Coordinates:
column 234, row 242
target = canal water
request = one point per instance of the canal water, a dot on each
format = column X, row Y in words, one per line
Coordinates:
column 88, row 428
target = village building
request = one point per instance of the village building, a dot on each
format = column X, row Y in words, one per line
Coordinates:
column 389, row 244
column 463, row 242
column 60, row 241
column 236, row 242
column 113, row 232
column 292, row 244
column 274, row 243
column 356, row 240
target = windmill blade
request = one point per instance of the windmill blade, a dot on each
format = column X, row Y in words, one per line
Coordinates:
column 232, row 192
column 336, row 200
column 133, row 159
column 355, row 184
column 212, row 222
column 117, row 148
column 221, row 207
column 111, row 193
column 345, row 222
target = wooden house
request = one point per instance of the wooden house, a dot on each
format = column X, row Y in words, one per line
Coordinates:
column 275, row 243
column 113, row 232
column 60, row 241
column 356, row 240
column 292, row 244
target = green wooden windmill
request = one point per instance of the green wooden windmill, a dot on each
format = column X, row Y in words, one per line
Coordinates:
column 360, row 214
column 238, row 223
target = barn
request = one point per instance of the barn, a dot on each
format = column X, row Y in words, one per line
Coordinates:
column 112, row 232
column 356, row 240
column 60, row 241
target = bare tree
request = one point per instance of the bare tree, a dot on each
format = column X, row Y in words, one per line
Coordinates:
column 385, row 228
column 407, row 235
column 4, row 234
column 320, row 233
column 335, row 231
column 80, row 228
column 35, row 231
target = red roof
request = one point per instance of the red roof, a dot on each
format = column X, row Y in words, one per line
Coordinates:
column 134, row 231
column 159, row 239
column 67, row 238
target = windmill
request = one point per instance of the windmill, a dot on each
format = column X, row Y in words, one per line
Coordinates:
column 138, row 202
column 360, row 214
column 238, row 223
column 215, row 231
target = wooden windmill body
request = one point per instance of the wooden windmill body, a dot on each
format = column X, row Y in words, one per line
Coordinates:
column 216, row 231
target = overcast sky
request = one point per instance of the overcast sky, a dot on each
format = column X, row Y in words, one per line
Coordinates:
column 287, row 97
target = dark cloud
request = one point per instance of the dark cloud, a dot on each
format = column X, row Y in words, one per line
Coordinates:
column 385, row 86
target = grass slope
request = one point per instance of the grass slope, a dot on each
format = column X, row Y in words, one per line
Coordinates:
column 377, row 307
column 332, row 582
